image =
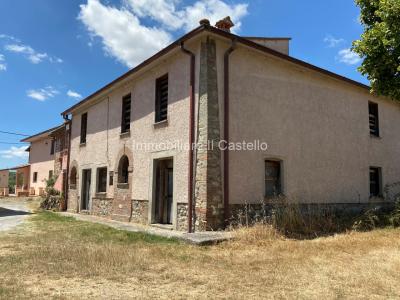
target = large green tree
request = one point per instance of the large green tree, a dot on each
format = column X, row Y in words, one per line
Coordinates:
column 379, row 45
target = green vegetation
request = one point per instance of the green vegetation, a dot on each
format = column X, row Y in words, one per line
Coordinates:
column 380, row 45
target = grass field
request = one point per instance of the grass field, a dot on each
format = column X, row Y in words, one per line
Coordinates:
column 61, row 258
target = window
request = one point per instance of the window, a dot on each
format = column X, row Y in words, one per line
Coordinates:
column 374, row 182
column 111, row 180
column 72, row 178
column 50, row 174
column 52, row 147
column 83, row 128
column 123, row 169
column 101, row 180
column 126, row 114
column 272, row 178
column 373, row 119
column 34, row 177
column 161, row 98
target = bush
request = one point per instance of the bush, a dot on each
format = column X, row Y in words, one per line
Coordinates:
column 378, row 218
column 53, row 199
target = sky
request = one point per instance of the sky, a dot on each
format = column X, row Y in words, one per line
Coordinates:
column 55, row 53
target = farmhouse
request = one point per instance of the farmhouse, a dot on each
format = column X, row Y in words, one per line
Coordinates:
column 329, row 140
column 47, row 159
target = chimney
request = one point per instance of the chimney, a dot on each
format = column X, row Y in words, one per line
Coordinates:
column 225, row 24
column 204, row 22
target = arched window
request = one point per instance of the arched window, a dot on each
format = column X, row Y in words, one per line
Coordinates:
column 123, row 169
column 72, row 178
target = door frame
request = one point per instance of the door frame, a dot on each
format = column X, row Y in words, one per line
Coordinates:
column 83, row 185
column 164, row 155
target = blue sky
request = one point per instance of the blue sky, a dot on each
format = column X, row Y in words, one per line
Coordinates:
column 53, row 53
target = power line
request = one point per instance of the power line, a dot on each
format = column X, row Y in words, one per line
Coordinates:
column 13, row 133
column 13, row 143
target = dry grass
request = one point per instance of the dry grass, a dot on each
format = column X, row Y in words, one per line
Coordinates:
column 58, row 257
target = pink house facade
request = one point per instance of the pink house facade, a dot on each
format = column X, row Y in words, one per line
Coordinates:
column 329, row 141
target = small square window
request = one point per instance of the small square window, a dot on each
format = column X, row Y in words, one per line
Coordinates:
column 111, row 181
column 272, row 178
column 101, row 180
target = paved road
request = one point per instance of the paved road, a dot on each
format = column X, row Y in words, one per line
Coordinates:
column 13, row 211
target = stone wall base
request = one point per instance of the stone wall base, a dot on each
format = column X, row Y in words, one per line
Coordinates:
column 140, row 209
column 102, row 207
column 253, row 213
column 72, row 205
column 182, row 217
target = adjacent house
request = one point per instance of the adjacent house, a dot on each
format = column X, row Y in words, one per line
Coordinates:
column 42, row 159
column 4, row 184
column 22, row 174
column 329, row 140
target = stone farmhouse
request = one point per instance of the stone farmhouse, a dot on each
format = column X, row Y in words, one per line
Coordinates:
column 130, row 151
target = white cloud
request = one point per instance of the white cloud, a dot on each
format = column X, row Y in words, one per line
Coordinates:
column 3, row 66
column 73, row 94
column 348, row 57
column 126, row 38
column 42, row 94
column 13, row 152
column 30, row 53
column 167, row 13
column 333, row 42
column 123, row 36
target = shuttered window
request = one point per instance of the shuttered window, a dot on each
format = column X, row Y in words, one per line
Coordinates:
column 83, row 128
column 374, row 182
column 272, row 178
column 373, row 119
column 126, row 114
column 101, row 180
column 162, row 98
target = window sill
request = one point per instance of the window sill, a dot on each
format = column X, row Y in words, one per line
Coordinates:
column 125, row 135
column 82, row 145
column 372, row 136
column 161, row 124
column 123, row 186
column 101, row 194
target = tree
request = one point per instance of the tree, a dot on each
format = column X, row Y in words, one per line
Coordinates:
column 379, row 45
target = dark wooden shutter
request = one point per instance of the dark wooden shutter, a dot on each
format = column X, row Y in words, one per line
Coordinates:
column 373, row 119
column 126, row 114
column 83, row 128
column 162, row 98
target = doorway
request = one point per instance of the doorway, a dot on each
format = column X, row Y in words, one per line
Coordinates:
column 86, row 177
column 164, row 183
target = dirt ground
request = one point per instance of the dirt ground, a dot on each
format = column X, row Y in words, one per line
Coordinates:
column 55, row 257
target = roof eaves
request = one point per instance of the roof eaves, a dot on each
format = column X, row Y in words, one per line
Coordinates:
column 48, row 131
column 159, row 54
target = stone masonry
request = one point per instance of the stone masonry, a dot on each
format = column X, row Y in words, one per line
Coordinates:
column 101, row 207
column 209, row 208
column 140, row 210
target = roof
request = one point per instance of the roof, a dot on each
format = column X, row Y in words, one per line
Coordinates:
column 41, row 135
column 242, row 40
column 16, row 167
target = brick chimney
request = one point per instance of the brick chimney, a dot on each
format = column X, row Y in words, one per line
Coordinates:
column 225, row 24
